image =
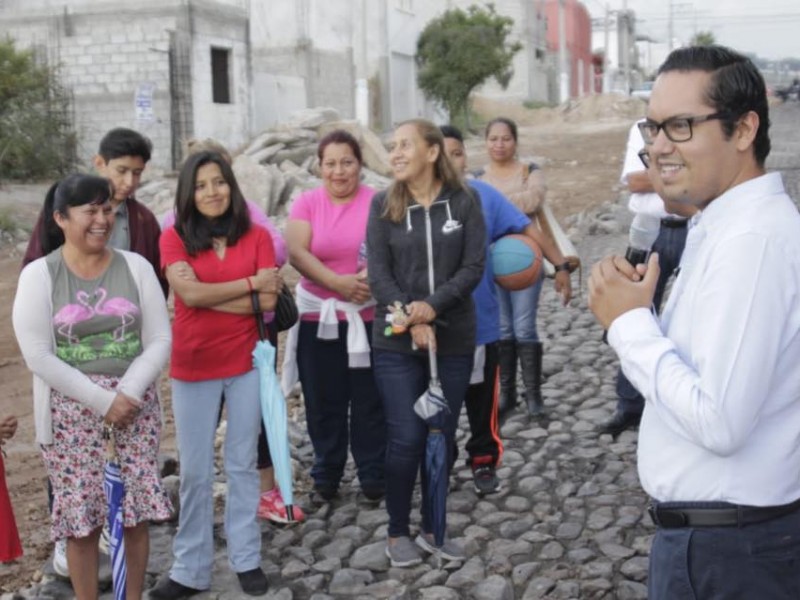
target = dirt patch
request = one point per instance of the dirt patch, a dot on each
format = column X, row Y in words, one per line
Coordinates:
column 581, row 156
column 590, row 110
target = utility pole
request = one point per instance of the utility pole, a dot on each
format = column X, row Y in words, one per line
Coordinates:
column 606, row 78
column 626, row 46
column 361, row 91
column 669, row 24
column 563, row 88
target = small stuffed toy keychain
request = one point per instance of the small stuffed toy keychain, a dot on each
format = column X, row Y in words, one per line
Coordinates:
column 397, row 318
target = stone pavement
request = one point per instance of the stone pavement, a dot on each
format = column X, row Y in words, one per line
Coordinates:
column 570, row 521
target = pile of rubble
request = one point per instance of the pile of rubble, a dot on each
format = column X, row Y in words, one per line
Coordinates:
column 281, row 162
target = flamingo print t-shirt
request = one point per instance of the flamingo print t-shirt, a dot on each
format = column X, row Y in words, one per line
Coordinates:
column 96, row 322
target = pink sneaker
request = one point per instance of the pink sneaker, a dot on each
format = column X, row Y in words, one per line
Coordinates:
column 272, row 508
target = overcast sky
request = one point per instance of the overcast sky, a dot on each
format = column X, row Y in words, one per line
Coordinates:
column 769, row 28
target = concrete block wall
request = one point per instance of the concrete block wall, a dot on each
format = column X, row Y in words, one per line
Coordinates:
column 228, row 123
column 103, row 56
column 82, row 5
column 332, row 81
column 328, row 76
column 106, row 50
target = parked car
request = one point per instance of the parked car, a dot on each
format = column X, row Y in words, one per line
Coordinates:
column 643, row 91
column 789, row 91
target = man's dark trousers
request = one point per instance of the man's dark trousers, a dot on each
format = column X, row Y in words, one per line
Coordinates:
column 727, row 563
column 669, row 245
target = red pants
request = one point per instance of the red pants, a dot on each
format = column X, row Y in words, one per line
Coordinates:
column 9, row 538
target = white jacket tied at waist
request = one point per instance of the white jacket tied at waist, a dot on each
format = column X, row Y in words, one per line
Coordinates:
column 358, row 348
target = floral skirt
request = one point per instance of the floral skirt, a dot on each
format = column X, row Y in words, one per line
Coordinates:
column 76, row 459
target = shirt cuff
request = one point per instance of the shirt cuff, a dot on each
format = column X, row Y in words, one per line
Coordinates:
column 632, row 326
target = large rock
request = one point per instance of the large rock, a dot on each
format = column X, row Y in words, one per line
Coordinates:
column 312, row 118
column 284, row 135
column 263, row 155
column 265, row 185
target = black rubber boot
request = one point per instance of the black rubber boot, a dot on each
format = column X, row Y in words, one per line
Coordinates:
column 507, row 360
column 530, row 357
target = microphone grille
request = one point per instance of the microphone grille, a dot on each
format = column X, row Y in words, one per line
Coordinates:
column 644, row 231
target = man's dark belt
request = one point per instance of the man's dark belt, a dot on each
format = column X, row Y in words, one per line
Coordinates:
column 671, row 515
column 674, row 223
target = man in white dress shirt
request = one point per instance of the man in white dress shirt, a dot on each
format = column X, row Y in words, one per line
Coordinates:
column 719, row 442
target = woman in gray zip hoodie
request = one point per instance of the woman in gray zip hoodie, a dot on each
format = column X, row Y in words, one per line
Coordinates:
column 427, row 201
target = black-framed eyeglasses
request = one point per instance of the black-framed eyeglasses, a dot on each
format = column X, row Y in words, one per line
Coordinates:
column 644, row 156
column 677, row 129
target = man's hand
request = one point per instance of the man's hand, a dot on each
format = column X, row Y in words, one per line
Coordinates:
column 8, row 427
column 615, row 287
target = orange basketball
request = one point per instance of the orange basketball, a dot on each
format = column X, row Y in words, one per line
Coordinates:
column 516, row 262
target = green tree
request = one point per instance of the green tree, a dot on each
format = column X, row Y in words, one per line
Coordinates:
column 459, row 51
column 703, row 38
column 36, row 135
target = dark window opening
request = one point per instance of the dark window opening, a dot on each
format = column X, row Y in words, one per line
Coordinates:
column 220, row 75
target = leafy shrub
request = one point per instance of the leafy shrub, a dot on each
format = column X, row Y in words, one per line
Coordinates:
column 36, row 136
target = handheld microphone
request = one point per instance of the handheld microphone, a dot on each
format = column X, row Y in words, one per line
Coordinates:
column 643, row 233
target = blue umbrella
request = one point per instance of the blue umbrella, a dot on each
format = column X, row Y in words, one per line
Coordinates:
column 432, row 408
column 115, row 492
column 273, row 411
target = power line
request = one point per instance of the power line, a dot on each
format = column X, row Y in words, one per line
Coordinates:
column 690, row 17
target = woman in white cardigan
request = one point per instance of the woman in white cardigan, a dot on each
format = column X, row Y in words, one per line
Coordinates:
column 93, row 328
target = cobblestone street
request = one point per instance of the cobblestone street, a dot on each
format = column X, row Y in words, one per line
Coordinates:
column 570, row 520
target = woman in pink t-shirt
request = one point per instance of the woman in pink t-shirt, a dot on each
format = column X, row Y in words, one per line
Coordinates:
column 326, row 237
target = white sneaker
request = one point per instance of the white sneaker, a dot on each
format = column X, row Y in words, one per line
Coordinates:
column 60, row 565
column 104, row 543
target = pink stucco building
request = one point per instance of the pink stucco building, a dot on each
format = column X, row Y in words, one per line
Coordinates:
column 578, row 27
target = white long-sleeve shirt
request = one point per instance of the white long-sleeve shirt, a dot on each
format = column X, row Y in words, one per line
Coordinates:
column 32, row 317
column 639, row 203
column 722, row 379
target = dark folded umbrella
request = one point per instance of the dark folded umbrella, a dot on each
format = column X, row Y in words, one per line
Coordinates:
column 115, row 493
column 432, row 408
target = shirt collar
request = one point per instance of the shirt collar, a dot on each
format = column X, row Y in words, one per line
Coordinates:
column 738, row 198
column 122, row 209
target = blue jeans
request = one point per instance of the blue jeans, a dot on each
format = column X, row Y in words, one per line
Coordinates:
column 730, row 563
column 331, row 391
column 518, row 312
column 669, row 245
column 196, row 406
column 401, row 379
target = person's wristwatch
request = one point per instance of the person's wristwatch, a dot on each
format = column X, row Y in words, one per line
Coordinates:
column 563, row 267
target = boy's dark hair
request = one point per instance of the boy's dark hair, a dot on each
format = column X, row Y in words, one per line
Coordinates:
column 451, row 131
column 73, row 190
column 195, row 229
column 736, row 88
column 121, row 142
